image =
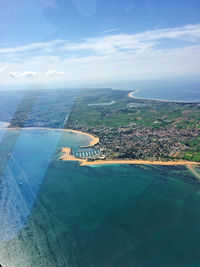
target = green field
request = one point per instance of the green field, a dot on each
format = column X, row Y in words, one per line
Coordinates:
column 126, row 110
column 179, row 121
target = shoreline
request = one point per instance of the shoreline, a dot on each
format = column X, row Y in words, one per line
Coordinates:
column 84, row 162
column 139, row 162
column 94, row 139
column 67, row 156
column 159, row 100
column 152, row 99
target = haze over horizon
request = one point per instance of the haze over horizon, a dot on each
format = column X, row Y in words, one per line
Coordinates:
column 57, row 43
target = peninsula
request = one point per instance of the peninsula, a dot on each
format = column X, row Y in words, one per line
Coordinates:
column 136, row 131
column 121, row 126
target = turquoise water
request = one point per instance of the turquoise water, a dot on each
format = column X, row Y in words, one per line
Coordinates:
column 57, row 213
column 25, row 171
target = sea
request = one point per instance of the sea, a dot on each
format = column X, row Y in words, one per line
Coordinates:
column 179, row 94
column 56, row 213
column 174, row 89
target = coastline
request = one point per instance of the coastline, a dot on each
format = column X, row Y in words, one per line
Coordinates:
column 84, row 162
column 94, row 139
column 67, row 156
column 132, row 93
column 152, row 99
column 157, row 99
column 139, row 162
column 66, row 150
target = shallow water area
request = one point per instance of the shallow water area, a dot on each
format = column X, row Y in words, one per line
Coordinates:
column 26, row 168
column 56, row 213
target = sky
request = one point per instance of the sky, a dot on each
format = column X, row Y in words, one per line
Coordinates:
column 65, row 43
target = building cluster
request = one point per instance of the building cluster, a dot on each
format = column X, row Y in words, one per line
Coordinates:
column 142, row 142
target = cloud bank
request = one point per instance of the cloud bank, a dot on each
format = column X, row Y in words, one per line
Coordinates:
column 113, row 57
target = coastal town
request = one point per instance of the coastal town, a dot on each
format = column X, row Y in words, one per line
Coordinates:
column 137, row 142
column 121, row 126
column 155, row 139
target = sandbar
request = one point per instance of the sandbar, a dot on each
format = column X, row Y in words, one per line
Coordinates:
column 139, row 162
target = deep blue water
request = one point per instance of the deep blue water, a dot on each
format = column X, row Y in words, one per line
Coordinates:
column 188, row 92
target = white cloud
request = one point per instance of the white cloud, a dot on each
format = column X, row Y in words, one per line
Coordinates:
column 113, row 43
column 31, row 47
column 28, row 74
column 136, row 42
column 187, row 33
column 55, row 73
column 110, row 57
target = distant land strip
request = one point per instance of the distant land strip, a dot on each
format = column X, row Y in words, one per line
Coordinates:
column 131, row 95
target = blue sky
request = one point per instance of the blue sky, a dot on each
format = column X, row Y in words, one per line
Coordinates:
column 83, row 42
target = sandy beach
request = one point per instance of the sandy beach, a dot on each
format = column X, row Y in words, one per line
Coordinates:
column 132, row 93
column 139, row 162
column 67, row 156
column 84, row 162
column 66, row 150
column 94, row 139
